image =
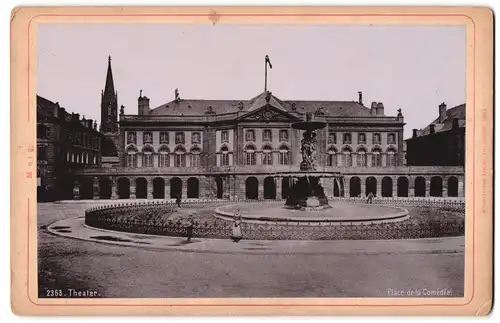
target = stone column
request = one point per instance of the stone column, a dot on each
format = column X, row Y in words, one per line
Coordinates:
column 167, row 188
column 261, row 188
column 394, row 187
column 184, row 188
column 383, row 159
column 427, row 187
column 277, row 183
column 96, row 188
column 461, row 184
column 379, row 186
column 76, row 190
column 445, row 186
column 132, row 188
column 400, row 155
column 347, row 187
column 363, row 186
column 411, row 186
column 149, row 188
column 114, row 188
column 226, row 184
column 328, row 184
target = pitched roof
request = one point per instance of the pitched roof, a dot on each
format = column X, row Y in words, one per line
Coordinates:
column 199, row 107
column 457, row 112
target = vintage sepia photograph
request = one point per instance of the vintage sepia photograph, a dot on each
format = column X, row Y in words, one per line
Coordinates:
column 236, row 161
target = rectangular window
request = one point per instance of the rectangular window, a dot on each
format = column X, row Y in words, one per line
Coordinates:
column 250, row 158
column 284, row 158
column 224, row 159
column 147, row 138
column 267, row 135
column 164, row 137
column 391, row 138
column 283, row 135
column 131, row 137
column 347, row 138
column 195, row 138
column 164, row 160
column 267, row 158
column 179, row 160
column 376, row 138
column 250, row 135
column 132, row 160
column 179, row 138
column 224, row 136
column 332, row 159
column 361, row 138
column 332, row 138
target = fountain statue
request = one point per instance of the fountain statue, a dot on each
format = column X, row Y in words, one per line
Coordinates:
column 306, row 191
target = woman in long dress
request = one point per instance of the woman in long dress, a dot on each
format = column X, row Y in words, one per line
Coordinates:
column 236, row 234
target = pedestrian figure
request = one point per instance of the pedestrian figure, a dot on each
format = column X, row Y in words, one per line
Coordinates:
column 178, row 200
column 189, row 228
column 370, row 198
column 236, row 235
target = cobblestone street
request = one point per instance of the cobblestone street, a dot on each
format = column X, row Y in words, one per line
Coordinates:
column 122, row 271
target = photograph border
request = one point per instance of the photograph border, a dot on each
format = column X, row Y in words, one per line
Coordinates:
column 478, row 281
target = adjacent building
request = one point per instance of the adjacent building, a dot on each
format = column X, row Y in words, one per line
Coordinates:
column 442, row 142
column 65, row 143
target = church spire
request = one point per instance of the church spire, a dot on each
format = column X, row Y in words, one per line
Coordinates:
column 109, row 104
column 110, row 87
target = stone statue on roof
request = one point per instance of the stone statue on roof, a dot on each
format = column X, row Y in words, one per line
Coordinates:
column 268, row 96
column 240, row 106
column 209, row 110
column 122, row 110
column 400, row 114
column 176, row 92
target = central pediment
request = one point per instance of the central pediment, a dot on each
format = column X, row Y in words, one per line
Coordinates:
column 268, row 113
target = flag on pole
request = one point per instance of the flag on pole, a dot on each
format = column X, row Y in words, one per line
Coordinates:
column 268, row 61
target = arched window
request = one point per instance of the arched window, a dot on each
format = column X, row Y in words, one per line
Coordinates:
column 195, row 157
column 164, row 137
column 250, row 155
column 361, row 158
column 283, row 135
column 164, row 157
column 376, row 157
column 250, row 135
column 147, row 138
column 180, row 157
column 391, row 157
column 332, row 157
column 224, row 156
column 147, row 157
column 267, row 135
column 131, row 157
column 267, row 155
column 284, row 155
column 346, row 157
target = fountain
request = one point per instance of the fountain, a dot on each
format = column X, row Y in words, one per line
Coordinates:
column 306, row 191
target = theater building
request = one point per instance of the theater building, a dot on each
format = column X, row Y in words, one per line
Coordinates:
column 241, row 149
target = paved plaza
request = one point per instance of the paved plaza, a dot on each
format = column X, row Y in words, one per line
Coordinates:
column 166, row 267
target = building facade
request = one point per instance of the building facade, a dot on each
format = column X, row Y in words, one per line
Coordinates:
column 65, row 143
column 247, row 149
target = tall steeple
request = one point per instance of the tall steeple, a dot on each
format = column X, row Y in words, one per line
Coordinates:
column 109, row 104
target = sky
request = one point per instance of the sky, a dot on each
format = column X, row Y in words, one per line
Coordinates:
column 413, row 68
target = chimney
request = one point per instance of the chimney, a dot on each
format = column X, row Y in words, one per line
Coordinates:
column 414, row 133
column 56, row 110
column 455, row 123
column 143, row 105
column 360, row 97
column 373, row 109
column 380, row 109
column 89, row 123
column 432, row 129
column 442, row 112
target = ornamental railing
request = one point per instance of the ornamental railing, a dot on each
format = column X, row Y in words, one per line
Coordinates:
column 152, row 218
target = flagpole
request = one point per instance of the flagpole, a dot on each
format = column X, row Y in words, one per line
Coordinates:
column 265, row 78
